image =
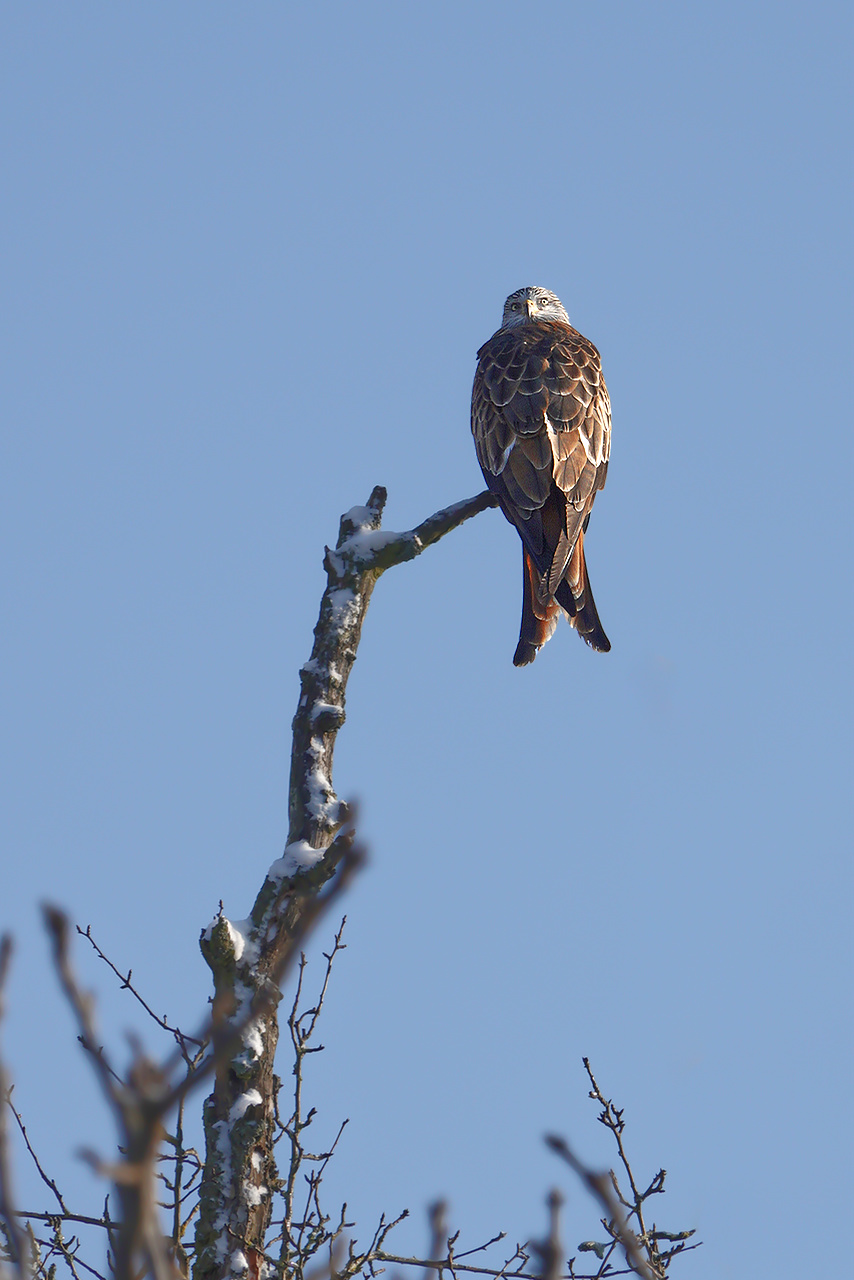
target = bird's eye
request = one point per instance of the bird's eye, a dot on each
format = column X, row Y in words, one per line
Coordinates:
column 514, row 306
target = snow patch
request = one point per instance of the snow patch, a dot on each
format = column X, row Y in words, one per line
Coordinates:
column 222, row 1141
column 299, row 856
column 244, row 949
column 323, row 671
column 241, row 1105
column 242, row 929
column 366, row 544
column 321, row 797
column 237, row 940
column 359, row 517
column 343, row 603
column 253, row 1037
column 323, row 708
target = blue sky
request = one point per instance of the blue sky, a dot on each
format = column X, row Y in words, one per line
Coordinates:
column 251, row 252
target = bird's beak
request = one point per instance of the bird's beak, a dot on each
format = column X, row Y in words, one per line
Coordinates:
column 531, row 307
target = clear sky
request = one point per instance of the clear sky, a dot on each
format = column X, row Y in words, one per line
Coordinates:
column 249, row 254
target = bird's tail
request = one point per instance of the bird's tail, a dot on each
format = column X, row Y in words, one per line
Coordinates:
column 538, row 620
column 576, row 598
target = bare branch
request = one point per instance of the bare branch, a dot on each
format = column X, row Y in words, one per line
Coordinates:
column 14, row 1235
column 138, row 1107
column 248, row 964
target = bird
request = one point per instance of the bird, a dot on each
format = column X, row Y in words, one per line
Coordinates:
column 541, row 421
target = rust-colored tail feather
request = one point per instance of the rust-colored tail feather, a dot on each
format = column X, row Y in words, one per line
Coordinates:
column 573, row 595
column 538, row 622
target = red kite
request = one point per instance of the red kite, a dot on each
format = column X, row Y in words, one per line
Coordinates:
column 541, row 421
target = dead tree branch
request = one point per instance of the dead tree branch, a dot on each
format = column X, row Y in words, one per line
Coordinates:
column 247, row 959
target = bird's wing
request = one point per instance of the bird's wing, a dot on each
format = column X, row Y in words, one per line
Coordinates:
column 541, row 421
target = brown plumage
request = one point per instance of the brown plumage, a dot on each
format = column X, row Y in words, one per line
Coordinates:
column 541, row 421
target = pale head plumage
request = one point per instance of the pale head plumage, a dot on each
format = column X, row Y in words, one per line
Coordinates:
column 533, row 303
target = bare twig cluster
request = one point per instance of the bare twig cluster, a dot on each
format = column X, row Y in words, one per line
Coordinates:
column 170, row 1172
column 625, row 1215
column 155, row 1173
column 307, row 1242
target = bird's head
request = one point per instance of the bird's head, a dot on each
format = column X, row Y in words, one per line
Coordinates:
column 533, row 303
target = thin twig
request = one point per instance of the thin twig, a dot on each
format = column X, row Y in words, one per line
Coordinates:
column 181, row 1039
column 49, row 1182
